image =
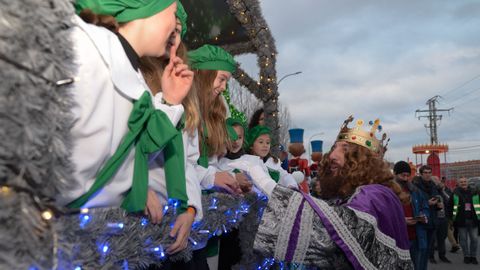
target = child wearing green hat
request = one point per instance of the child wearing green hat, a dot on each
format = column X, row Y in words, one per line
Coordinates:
column 235, row 150
column 117, row 123
column 230, row 252
column 258, row 143
column 213, row 67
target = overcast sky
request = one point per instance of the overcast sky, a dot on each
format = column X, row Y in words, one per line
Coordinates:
column 379, row 59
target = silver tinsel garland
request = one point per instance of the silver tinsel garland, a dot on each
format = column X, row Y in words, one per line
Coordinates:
column 114, row 239
column 262, row 43
column 36, row 61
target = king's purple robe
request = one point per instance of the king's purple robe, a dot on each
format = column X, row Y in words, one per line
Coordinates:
column 368, row 231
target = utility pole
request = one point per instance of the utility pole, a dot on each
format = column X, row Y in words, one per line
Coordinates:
column 433, row 116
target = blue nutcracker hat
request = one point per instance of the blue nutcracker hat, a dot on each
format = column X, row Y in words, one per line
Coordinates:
column 296, row 135
column 316, row 145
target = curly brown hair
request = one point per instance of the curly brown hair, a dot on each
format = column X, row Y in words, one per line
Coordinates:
column 362, row 167
column 213, row 113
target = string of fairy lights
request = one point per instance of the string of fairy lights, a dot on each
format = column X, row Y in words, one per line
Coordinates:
column 249, row 14
column 88, row 221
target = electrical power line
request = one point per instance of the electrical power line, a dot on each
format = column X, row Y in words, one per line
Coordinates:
column 464, row 148
column 464, row 96
column 467, row 101
column 471, row 119
column 464, row 116
column 448, row 92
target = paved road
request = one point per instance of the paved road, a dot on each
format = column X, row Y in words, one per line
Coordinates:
column 457, row 262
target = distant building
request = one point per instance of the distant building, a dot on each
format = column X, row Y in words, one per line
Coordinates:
column 455, row 170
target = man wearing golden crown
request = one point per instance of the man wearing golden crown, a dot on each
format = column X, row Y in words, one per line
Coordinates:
column 357, row 223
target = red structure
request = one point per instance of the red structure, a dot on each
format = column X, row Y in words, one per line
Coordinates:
column 433, row 152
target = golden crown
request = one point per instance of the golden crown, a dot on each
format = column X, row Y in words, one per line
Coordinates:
column 358, row 135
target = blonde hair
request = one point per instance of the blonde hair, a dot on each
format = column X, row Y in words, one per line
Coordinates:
column 213, row 113
column 152, row 69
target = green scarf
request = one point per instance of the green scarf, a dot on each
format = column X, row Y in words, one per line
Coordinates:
column 150, row 130
column 274, row 174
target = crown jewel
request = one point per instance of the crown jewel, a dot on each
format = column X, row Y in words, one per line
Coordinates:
column 362, row 137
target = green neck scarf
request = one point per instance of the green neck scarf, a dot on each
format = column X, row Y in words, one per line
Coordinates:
column 274, row 174
column 150, row 130
column 203, row 159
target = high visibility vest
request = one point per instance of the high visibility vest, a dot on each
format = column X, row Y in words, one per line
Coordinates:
column 475, row 201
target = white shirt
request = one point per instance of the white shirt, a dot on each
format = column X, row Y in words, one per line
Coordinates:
column 205, row 176
column 286, row 179
column 106, row 86
column 194, row 191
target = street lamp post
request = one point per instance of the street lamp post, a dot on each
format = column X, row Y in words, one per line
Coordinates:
column 288, row 75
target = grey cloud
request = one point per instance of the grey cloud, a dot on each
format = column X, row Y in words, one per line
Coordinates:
column 378, row 58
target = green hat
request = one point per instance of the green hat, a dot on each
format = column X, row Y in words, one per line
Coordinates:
column 255, row 132
column 182, row 16
column 231, row 121
column 212, row 58
column 231, row 131
column 124, row 10
column 232, row 134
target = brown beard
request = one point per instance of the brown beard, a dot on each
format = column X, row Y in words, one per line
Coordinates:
column 361, row 167
column 330, row 186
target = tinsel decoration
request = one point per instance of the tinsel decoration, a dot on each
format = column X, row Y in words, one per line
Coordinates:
column 113, row 239
column 235, row 113
column 36, row 63
column 247, row 230
column 249, row 14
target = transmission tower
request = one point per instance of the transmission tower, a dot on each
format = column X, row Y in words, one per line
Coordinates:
column 433, row 116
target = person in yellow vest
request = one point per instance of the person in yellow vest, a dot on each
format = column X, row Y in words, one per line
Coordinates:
column 464, row 210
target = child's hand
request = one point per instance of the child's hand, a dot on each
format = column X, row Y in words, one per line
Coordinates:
column 177, row 79
column 153, row 209
column 245, row 185
column 261, row 179
column 181, row 231
column 225, row 181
